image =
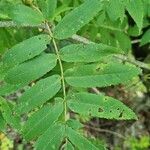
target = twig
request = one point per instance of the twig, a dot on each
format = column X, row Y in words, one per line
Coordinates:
column 105, row 130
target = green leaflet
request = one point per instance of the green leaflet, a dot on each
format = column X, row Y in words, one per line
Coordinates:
column 100, row 106
column 116, row 10
column 52, row 138
column 74, row 124
column 77, row 18
column 113, row 34
column 48, row 8
column 134, row 31
column 32, row 69
column 135, row 9
column 1, row 75
column 100, row 75
column 123, row 41
column 51, row 6
column 7, row 114
column 7, row 88
column 146, row 38
column 25, row 50
column 62, row 9
column 81, row 142
column 26, row 15
column 2, row 71
column 87, row 53
column 68, row 146
column 2, row 123
column 38, row 94
column 41, row 120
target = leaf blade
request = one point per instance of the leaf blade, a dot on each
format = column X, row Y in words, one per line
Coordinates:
column 145, row 38
column 48, row 8
column 116, row 10
column 8, row 115
column 100, row 106
column 44, row 90
column 28, row 17
column 100, row 75
column 80, row 142
column 77, row 18
column 87, row 53
column 2, row 123
column 135, row 9
column 7, row 88
column 52, row 138
column 27, row 71
column 40, row 121
column 25, row 50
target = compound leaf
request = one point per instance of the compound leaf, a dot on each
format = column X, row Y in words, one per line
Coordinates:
column 38, row 94
column 32, row 69
column 100, row 75
column 77, row 18
column 87, row 53
column 100, row 106
column 41, row 120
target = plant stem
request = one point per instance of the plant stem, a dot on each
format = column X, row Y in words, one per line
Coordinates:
column 61, row 70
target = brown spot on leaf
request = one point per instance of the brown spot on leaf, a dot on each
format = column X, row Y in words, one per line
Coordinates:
column 47, row 45
column 112, row 34
column 106, row 98
column 121, row 114
column 100, row 109
column 29, row 54
column 98, row 69
column 89, row 113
